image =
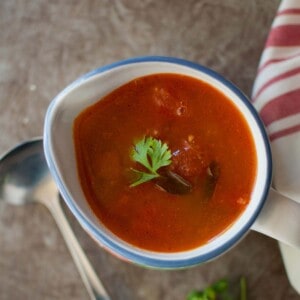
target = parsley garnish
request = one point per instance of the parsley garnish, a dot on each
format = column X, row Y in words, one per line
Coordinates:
column 152, row 154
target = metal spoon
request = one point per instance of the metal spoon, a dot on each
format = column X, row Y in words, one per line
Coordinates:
column 24, row 178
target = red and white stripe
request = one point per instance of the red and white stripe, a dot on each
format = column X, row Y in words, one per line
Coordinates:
column 276, row 95
column 276, row 91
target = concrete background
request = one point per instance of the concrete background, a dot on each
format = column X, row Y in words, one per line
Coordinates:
column 44, row 45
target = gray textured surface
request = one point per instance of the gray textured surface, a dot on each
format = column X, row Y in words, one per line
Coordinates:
column 44, row 45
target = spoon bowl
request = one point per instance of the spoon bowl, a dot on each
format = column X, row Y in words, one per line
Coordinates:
column 24, row 178
column 22, row 169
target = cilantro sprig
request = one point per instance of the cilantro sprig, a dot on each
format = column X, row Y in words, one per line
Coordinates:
column 219, row 288
column 152, row 154
column 218, row 291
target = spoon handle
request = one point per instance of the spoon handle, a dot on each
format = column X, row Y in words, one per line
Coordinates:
column 90, row 279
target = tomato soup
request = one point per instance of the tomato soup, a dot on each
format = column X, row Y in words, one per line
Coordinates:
column 212, row 157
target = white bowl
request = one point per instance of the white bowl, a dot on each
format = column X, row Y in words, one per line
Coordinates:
column 60, row 155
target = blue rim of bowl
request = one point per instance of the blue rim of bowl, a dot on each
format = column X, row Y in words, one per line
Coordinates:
column 115, row 248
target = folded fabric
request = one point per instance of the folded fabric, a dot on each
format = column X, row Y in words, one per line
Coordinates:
column 276, row 96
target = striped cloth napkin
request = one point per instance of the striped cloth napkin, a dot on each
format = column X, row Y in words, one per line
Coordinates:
column 276, row 96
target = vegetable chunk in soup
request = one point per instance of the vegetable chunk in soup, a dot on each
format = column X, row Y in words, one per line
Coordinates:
column 166, row 162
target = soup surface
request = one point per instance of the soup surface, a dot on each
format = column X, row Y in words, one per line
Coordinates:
column 213, row 161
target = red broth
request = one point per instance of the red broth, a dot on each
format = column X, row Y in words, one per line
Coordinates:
column 200, row 126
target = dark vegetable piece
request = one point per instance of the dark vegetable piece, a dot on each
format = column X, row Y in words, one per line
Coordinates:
column 211, row 179
column 173, row 183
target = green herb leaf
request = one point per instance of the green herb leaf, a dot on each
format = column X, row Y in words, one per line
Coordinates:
column 143, row 177
column 220, row 286
column 219, row 290
column 152, row 154
column 243, row 288
column 196, row 295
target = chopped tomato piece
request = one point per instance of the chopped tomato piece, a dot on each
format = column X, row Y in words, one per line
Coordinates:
column 168, row 103
column 189, row 161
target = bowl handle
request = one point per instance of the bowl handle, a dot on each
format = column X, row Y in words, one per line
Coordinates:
column 280, row 219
